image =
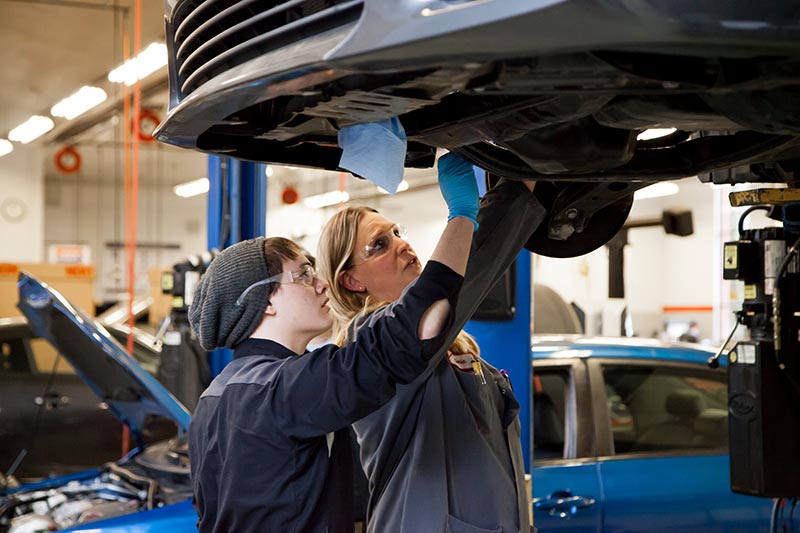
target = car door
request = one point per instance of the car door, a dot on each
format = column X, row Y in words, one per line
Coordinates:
column 49, row 411
column 566, row 488
column 662, row 435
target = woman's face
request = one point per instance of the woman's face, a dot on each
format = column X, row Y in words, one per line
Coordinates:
column 383, row 262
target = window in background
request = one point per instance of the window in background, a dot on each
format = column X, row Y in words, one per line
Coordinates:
column 550, row 401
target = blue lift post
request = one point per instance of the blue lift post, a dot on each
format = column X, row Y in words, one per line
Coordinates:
column 237, row 211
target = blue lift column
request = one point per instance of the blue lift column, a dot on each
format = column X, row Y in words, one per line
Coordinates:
column 507, row 344
column 237, row 211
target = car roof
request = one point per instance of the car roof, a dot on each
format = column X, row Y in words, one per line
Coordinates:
column 562, row 346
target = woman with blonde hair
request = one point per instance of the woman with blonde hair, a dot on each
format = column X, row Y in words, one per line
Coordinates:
column 444, row 454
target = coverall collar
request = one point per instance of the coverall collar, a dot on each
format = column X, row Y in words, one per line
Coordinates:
column 253, row 346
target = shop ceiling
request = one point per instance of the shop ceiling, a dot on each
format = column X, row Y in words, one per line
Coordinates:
column 51, row 48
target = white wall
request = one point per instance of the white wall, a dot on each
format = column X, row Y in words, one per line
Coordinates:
column 88, row 208
column 421, row 210
column 91, row 213
column 423, row 213
column 660, row 270
column 21, row 211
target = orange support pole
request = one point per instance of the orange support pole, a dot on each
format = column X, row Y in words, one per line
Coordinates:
column 131, row 172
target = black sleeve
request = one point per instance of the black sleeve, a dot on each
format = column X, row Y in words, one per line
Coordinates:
column 508, row 215
column 331, row 387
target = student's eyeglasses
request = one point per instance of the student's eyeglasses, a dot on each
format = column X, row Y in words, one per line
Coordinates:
column 380, row 244
column 305, row 275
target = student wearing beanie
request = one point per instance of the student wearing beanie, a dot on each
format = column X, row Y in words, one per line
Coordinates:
column 269, row 443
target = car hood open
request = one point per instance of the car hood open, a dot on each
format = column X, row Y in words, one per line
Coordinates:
column 129, row 391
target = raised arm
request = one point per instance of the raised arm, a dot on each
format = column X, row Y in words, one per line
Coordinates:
column 327, row 389
column 509, row 214
column 460, row 192
column 333, row 387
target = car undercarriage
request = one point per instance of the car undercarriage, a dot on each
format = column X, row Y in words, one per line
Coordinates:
column 567, row 111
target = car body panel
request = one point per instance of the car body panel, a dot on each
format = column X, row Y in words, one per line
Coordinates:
column 690, row 493
column 146, row 348
column 67, row 431
column 178, row 518
column 80, row 430
column 566, row 346
column 568, row 481
column 130, row 392
column 244, row 85
column 657, row 491
column 475, row 29
column 465, row 37
column 118, row 313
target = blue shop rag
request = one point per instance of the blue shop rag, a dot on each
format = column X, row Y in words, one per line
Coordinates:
column 375, row 151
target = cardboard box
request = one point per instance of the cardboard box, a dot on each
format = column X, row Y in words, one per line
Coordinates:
column 162, row 303
column 74, row 282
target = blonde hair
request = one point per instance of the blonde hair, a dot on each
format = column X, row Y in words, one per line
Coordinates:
column 334, row 256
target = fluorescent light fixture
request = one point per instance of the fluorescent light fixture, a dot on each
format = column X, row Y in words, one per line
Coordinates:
column 326, row 199
column 268, row 171
column 656, row 190
column 655, row 133
column 5, row 147
column 191, row 188
column 34, row 127
column 79, row 103
column 148, row 61
column 400, row 188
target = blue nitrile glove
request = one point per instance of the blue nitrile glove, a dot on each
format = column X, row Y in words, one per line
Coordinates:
column 459, row 187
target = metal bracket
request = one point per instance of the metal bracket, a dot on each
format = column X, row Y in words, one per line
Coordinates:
column 764, row 197
column 575, row 205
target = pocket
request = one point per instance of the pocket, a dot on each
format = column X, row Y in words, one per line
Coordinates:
column 454, row 525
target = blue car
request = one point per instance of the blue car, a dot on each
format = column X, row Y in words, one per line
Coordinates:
column 146, row 491
column 631, row 435
column 628, row 437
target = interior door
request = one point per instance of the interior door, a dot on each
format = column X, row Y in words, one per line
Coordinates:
column 566, row 488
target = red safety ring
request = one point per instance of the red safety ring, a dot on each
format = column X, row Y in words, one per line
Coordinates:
column 290, row 195
column 146, row 116
column 68, row 160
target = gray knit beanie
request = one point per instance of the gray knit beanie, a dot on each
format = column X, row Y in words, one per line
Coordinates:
column 213, row 313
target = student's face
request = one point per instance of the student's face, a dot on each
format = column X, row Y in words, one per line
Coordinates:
column 393, row 264
column 304, row 308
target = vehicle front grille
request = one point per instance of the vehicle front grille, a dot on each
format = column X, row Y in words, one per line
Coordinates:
column 212, row 36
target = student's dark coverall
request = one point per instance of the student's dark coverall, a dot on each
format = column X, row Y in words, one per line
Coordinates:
column 269, row 446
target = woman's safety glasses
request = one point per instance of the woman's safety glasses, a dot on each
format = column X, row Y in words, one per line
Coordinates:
column 380, row 244
column 305, row 275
